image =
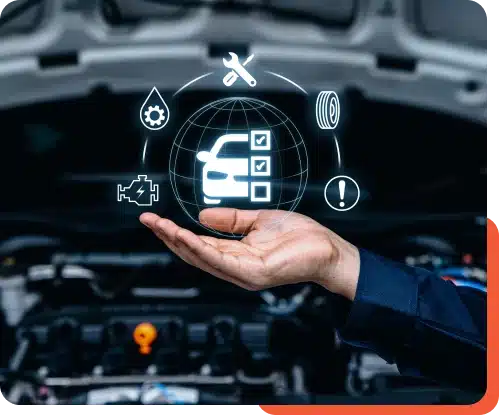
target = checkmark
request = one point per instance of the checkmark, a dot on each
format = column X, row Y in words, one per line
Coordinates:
column 260, row 166
column 260, row 140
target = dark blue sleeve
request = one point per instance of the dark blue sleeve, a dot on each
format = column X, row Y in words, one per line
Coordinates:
column 424, row 324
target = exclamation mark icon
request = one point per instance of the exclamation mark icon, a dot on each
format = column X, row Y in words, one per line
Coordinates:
column 341, row 185
column 334, row 193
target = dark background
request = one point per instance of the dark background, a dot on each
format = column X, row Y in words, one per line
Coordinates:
column 419, row 159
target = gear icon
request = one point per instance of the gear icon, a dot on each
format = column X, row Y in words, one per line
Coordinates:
column 160, row 116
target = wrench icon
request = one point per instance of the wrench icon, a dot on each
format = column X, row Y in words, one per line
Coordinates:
column 236, row 66
column 232, row 76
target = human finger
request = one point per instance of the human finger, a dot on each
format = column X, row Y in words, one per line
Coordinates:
column 223, row 263
column 149, row 219
column 182, row 251
column 194, row 260
column 229, row 220
column 246, row 268
column 243, row 269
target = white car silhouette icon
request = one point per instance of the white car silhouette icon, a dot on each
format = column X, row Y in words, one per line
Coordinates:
column 220, row 173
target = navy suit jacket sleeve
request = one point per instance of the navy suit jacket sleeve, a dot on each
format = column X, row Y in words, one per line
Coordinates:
column 424, row 324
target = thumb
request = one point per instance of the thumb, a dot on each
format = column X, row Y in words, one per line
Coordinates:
column 229, row 220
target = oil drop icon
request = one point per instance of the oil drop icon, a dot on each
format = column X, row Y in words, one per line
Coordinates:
column 154, row 113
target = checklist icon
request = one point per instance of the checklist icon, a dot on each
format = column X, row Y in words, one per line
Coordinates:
column 260, row 140
column 260, row 166
column 260, row 192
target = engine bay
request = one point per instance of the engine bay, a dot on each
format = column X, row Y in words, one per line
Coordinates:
column 82, row 281
column 77, row 340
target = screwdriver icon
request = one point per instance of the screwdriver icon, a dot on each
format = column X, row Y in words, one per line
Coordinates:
column 232, row 76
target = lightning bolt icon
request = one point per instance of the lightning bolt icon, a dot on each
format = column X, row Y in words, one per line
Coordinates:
column 140, row 191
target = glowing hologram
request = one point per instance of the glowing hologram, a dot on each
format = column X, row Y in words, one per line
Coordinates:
column 238, row 115
column 191, row 82
column 327, row 110
column 232, row 76
column 260, row 140
column 209, row 201
column 338, row 151
column 288, row 80
column 260, row 166
column 144, row 152
column 261, row 185
column 219, row 174
column 154, row 113
column 239, row 70
column 141, row 191
column 159, row 116
column 341, row 196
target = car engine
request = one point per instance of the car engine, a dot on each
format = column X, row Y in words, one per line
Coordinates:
column 142, row 327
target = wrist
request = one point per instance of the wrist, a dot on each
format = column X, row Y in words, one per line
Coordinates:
column 342, row 274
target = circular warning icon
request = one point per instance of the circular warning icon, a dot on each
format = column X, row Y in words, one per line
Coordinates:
column 342, row 193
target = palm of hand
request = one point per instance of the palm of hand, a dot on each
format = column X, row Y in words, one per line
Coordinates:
column 280, row 248
column 274, row 251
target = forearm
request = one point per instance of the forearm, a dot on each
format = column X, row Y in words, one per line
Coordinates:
column 412, row 317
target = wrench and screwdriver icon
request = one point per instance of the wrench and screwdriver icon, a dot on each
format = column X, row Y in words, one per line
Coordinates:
column 238, row 70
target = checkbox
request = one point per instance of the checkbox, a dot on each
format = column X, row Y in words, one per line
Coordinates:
column 260, row 192
column 260, row 140
column 260, row 166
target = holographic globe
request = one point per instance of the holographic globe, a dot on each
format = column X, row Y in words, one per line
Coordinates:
column 241, row 153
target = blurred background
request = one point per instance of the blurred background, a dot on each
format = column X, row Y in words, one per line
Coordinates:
column 79, row 274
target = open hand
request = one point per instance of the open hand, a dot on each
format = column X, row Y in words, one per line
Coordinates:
column 279, row 248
